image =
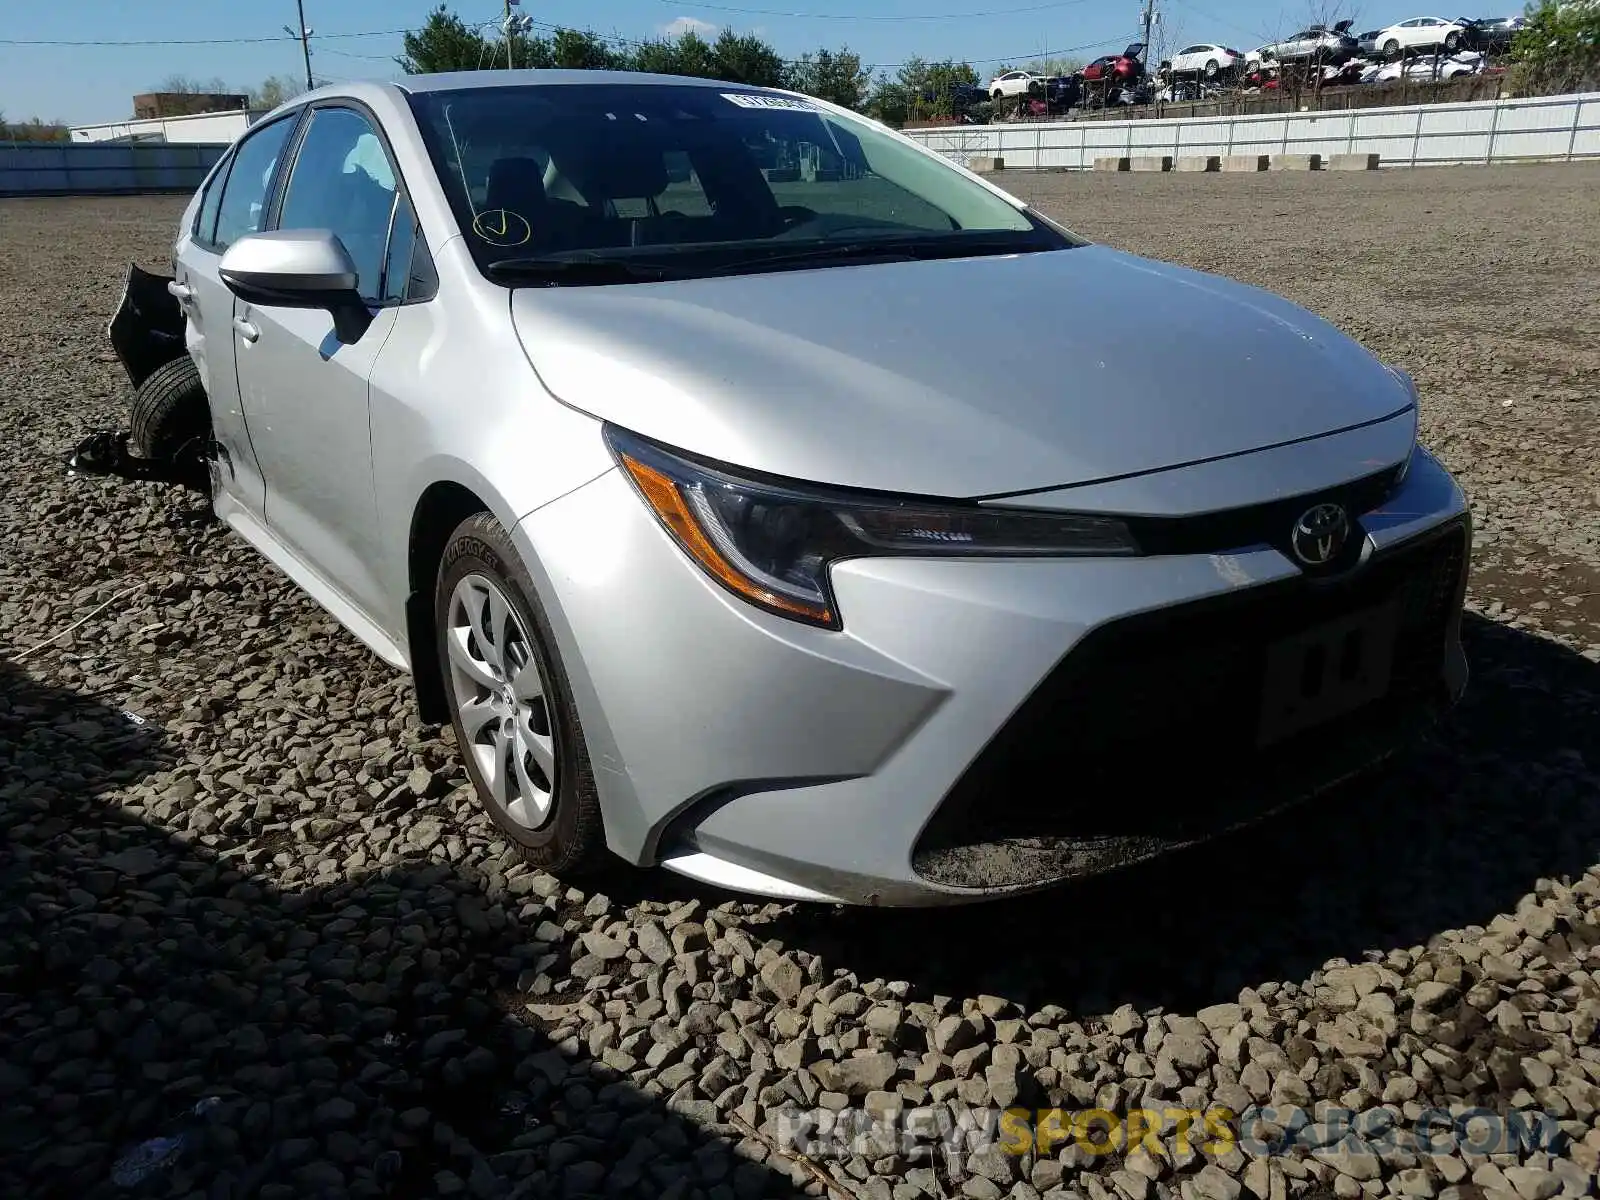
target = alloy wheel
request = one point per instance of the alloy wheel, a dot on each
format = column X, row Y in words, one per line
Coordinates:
column 501, row 695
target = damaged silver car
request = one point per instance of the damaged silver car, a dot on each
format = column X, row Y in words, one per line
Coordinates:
column 652, row 425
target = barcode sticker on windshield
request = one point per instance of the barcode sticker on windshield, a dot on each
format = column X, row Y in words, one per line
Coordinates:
column 752, row 100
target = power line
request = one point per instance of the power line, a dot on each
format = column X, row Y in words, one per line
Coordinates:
column 1234, row 25
column 231, row 41
column 614, row 39
column 815, row 16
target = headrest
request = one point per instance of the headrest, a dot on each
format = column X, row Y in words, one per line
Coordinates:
column 620, row 170
column 516, row 184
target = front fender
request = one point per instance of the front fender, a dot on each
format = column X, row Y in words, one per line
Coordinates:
column 147, row 329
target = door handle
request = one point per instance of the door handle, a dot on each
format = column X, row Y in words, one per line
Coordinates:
column 245, row 330
column 181, row 292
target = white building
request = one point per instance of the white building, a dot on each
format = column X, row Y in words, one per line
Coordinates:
column 200, row 127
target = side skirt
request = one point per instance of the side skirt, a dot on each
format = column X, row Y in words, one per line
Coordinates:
column 340, row 607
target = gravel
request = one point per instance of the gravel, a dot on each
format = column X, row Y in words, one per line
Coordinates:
column 270, row 886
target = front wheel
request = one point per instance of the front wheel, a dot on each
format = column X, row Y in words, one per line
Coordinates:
column 1212, row 68
column 1452, row 43
column 510, row 702
column 1391, row 48
column 170, row 416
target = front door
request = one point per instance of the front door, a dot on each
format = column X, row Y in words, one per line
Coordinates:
column 234, row 204
column 305, row 393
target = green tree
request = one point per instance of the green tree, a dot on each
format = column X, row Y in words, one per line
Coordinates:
column 274, row 90
column 33, row 130
column 444, row 43
column 832, row 75
column 745, row 58
column 920, row 90
column 575, row 50
column 1559, row 48
column 687, row 54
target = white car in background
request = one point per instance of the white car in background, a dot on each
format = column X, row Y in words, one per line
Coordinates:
column 1014, row 83
column 1433, row 66
column 1420, row 33
column 1205, row 58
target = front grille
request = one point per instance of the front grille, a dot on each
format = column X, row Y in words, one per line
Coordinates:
column 1144, row 736
column 1258, row 524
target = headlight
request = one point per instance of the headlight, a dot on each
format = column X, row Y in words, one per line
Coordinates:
column 772, row 543
column 1406, row 381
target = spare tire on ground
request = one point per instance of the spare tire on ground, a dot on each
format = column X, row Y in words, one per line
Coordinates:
column 171, row 416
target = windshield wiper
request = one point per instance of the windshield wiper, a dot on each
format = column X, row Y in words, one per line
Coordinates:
column 879, row 250
column 587, row 269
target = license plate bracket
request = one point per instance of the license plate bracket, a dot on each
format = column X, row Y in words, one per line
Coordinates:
column 1327, row 671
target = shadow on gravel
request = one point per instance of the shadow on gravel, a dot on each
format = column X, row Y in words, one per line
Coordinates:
column 1502, row 796
column 353, row 1034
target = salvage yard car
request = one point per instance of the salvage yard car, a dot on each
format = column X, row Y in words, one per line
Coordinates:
column 731, row 537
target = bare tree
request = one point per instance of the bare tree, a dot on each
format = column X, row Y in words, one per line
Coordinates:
column 189, row 86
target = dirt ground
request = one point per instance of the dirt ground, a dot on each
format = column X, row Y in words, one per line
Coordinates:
column 272, row 886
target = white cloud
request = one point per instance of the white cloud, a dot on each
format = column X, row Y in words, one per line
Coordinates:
column 682, row 25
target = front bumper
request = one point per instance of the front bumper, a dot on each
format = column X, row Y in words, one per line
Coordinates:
column 978, row 727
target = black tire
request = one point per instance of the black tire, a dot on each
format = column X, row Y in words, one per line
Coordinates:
column 1212, row 68
column 572, row 840
column 169, row 412
column 1391, row 49
column 1452, row 43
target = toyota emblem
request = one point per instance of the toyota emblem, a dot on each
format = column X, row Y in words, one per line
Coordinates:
column 1320, row 534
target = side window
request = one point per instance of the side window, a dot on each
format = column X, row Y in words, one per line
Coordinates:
column 244, row 197
column 342, row 181
column 408, row 272
column 205, row 220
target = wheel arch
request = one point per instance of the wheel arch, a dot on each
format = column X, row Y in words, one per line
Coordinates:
column 442, row 506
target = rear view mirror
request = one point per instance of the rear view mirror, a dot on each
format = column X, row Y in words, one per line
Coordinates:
column 298, row 268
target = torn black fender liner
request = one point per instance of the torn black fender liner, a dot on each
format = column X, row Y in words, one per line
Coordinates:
column 146, row 331
column 107, row 453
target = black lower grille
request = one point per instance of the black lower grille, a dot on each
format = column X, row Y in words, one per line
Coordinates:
column 1145, row 736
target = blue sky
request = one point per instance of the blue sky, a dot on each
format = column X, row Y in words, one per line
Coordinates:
column 81, row 84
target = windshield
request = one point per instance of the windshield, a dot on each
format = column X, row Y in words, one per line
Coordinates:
column 695, row 180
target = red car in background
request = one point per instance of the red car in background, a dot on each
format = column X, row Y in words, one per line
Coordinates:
column 1117, row 68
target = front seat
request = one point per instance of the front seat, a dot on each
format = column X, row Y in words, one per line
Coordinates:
column 517, row 185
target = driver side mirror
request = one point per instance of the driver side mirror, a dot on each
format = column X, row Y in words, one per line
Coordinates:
column 298, row 268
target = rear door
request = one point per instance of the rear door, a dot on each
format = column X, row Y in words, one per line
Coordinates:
column 235, row 203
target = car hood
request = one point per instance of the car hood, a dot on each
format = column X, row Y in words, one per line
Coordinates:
column 961, row 377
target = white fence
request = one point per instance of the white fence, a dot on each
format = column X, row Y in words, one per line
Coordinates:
column 1480, row 131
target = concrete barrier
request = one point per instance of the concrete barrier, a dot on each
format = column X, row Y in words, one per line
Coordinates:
column 1354, row 162
column 987, row 165
column 1111, row 164
column 1162, row 162
column 1206, row 162
column 1297, row 162
column 1245, row 162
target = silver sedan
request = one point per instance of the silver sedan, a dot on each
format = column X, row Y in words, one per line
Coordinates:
column 763, row 496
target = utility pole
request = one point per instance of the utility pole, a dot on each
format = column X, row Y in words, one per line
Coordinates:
column 304, row 35
column 512, row 26
column 1149, row 18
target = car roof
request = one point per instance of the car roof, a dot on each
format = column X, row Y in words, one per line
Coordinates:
column 449, row 81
